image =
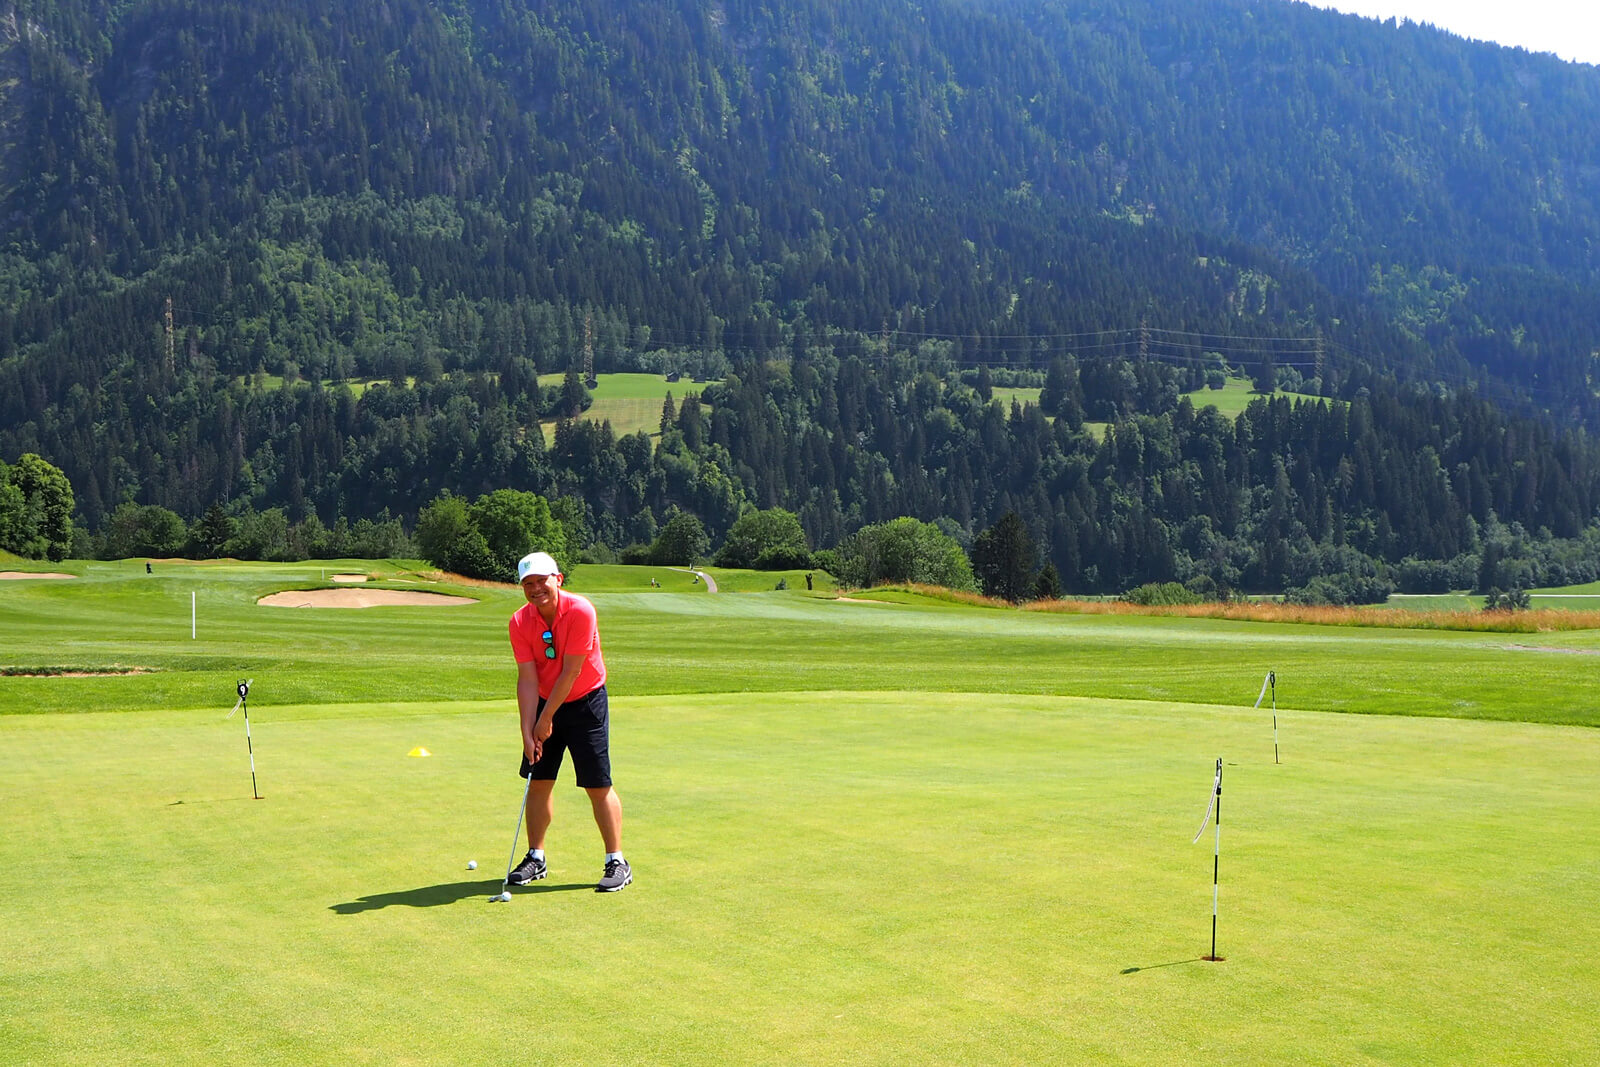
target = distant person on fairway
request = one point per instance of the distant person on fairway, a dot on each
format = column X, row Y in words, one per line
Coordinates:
column 561, row 701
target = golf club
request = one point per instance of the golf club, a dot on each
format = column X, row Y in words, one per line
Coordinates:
column 516, row 838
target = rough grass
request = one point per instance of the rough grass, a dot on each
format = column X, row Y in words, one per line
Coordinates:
column 937, row 593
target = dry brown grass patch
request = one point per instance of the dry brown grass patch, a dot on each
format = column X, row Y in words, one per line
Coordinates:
column 1541, row 620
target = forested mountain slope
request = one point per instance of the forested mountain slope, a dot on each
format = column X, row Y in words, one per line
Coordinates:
column 484, row 188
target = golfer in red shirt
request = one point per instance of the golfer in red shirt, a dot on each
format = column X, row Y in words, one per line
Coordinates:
column 556, row 640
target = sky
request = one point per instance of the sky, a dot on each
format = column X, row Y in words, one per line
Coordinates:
column 1569, row 28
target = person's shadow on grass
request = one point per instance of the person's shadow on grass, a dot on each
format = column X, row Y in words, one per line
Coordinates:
column 431, row 896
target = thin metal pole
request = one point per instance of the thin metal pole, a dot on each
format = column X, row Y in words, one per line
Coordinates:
column 1216, row 865
column 1272, row 679
column 248, row 744
column 243, row 689
column 1214, row 806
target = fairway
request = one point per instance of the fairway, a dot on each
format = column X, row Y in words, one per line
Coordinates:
column 911, row 832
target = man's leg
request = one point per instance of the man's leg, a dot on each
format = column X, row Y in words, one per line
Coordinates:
column 607, row 815
column 541, row 809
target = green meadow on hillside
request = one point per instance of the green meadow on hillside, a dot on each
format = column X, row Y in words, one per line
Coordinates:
column 1235, row 395
column 630, row 402
column 903, row 830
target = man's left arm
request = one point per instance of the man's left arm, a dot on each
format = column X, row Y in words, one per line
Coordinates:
column 571, row 666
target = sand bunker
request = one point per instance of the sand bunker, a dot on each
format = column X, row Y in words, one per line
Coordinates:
column 348, row 578
column 362, row 598
column 11, row 576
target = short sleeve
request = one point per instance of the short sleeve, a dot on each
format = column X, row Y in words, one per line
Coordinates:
column 580, row 630
column 520, row 649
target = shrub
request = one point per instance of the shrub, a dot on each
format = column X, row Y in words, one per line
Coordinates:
column 766, row 540
column 1161, row 594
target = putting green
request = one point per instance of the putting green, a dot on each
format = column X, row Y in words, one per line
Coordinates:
column 822, row 877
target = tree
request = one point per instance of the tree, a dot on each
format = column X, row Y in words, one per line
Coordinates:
column 449, row 539
column 1489, row 566
column 262, row 535
column 1048, row 585
column 1511, row 600
column 13, row 507
column 681, row 541
column 36, row 516
column 148, row 530
column 575, row 399
column 766, row 540
column 1264, row 379
column 383, row 539
column 514, row 523
column 904, row 550
column 210, row 535
column 1004, row 559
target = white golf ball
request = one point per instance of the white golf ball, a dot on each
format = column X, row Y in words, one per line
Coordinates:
column 472, row 865
column 506, row 895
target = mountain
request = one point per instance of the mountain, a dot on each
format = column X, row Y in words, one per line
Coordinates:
column 199, row 197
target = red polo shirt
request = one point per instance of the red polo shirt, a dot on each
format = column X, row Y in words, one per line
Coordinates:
column 576, row 631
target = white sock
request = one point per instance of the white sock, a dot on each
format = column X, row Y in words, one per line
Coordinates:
column 537, row 853
column 613, row 856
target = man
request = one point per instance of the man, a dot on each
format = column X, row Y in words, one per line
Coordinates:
column 561, row 701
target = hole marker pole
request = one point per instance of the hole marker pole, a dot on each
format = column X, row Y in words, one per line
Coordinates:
column 1272, row 680
column 1216, row 862
column 191, row 616
column 244, row 691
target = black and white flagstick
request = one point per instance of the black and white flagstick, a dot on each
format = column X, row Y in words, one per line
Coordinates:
column 244, row 691
column 1272, row 680
column 1216, row 863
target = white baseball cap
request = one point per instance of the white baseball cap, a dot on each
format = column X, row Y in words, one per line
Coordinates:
column 537, row 564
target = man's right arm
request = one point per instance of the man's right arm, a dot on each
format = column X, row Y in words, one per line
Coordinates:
column 528, row 707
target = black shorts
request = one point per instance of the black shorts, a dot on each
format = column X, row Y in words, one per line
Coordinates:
column 582, row 726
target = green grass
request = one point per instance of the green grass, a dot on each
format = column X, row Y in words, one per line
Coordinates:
column 1234, row 396
column 630, row 402
column 274, row 382
column 929, row 878
column 1573, row 598
column 1589, row 588
column 1021, row 394
column 678, row 639
column 907, row 831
